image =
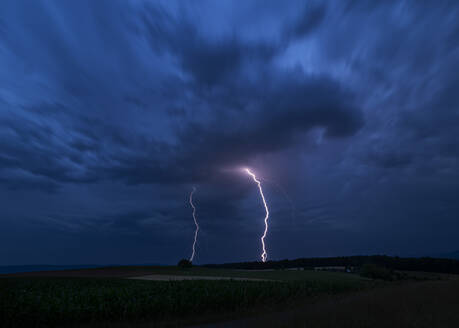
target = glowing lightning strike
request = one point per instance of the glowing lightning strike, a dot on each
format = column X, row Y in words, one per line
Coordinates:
column 264, row 255
column 196, row 223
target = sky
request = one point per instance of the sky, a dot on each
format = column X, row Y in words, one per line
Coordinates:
column 112, row 111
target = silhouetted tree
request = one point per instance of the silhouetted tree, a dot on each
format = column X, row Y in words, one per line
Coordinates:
column 184, row 264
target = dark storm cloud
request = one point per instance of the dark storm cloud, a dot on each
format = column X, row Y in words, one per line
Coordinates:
column 283, row 106
column 111, row 110
column 310, row 19
column 285, row 109
column 389, row 159
column 35, row 148
column 19, row 180
column 268, row 112
column 212, row 60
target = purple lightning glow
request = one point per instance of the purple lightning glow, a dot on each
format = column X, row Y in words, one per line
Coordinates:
column 196, row 223
column 287, row 197
column 264, row 255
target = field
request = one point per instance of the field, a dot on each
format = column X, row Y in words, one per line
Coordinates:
column 427, row 304
column 102, row 297
column 134, row 271
column 105, row 298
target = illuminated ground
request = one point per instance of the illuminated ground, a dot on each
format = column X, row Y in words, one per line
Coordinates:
column 162, row 277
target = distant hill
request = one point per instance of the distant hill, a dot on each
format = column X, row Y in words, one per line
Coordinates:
column 44, row 267
column 426, row 264
column 34, row 268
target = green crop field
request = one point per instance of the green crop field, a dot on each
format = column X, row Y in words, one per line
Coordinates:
column 47, row 302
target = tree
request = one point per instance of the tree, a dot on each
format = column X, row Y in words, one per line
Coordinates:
column 184, row 264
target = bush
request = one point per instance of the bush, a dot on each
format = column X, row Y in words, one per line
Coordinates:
column 184, row 264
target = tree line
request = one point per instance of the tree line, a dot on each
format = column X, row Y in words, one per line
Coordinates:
column 426, row 264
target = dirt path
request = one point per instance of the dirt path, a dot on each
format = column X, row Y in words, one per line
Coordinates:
column 161, row 277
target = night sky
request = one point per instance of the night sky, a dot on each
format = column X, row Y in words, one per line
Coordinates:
column 111, row 111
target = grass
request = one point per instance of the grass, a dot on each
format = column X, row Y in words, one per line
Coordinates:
column 47, row 302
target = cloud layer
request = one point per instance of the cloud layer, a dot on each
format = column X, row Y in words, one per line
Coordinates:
column 111, row 111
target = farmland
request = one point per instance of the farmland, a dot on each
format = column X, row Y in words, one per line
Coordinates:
column 424, row 304
column 36, row 301
column 108, row 296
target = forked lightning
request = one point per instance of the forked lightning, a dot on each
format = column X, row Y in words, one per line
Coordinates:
column 264, row 255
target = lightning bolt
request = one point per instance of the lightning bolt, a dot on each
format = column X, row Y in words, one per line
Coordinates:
column 196, row 223
column 264, row 255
